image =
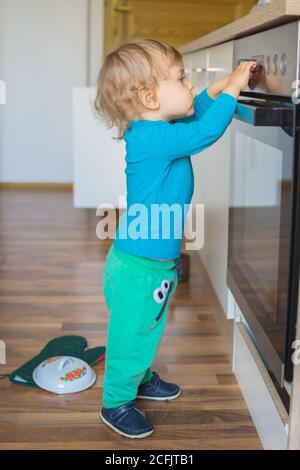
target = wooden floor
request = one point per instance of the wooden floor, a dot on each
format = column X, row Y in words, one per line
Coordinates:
column 51, row 264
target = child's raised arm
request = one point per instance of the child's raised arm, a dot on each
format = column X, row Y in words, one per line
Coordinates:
column 177, row 140
column 218, row 86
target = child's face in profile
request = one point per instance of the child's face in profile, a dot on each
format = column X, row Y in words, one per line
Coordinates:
column 175, row 95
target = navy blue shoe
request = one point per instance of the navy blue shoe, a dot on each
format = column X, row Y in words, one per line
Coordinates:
column 157, row 389
column 127, row 420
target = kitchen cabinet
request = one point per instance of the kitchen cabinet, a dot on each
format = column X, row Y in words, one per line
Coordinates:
column 173, row 22
column 199, row 68
column 220, row 60
column 187, row 62
column 211, row 173
column 196, row 64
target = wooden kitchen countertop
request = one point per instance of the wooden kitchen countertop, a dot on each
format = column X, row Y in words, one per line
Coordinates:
column 276, row 13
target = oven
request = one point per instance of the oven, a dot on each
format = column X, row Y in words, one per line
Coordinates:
column 263, row 242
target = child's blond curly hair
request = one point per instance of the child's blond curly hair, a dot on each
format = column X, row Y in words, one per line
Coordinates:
column 133, row 65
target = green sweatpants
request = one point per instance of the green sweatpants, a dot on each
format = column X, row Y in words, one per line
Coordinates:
column 137, row 291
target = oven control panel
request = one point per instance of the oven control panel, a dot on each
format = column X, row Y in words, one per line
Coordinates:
column 277, row 59
column 276, row 64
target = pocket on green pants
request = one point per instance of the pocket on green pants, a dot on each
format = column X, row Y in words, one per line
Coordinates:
column 161, row 292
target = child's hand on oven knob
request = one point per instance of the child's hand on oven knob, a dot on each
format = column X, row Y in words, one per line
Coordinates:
column 257, row 75
column 239, row 78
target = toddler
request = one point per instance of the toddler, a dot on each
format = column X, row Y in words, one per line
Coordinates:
column 143, row 91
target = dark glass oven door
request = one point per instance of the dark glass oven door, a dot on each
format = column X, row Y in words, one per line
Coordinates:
column 260, row 208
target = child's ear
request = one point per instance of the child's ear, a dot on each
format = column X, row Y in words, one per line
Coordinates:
column 148, row 97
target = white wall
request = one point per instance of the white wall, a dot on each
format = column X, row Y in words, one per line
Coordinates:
column 44, row 53
column 96, row 56
column 99, row 161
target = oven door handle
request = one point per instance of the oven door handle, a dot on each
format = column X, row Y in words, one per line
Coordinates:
column 261, row 113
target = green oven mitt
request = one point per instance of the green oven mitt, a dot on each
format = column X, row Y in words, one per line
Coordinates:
column 75, row 346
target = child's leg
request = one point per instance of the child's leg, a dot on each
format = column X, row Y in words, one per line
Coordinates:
column 138, row 301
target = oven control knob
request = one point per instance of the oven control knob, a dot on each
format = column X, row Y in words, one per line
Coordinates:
column 283, row 63
column 275, row 64
column 268, row 65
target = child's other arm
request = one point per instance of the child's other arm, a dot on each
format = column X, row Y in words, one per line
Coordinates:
column 205, row 99
column 221, row 85
column 218, row 86
column 181, row 139
column 172, row 141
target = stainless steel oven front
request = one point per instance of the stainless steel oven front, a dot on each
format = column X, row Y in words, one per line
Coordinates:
column 263, row 248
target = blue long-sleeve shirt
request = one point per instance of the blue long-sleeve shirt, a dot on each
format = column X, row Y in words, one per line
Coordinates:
column 159, row 175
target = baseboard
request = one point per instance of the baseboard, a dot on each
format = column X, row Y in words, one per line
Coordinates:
column 16, row 186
